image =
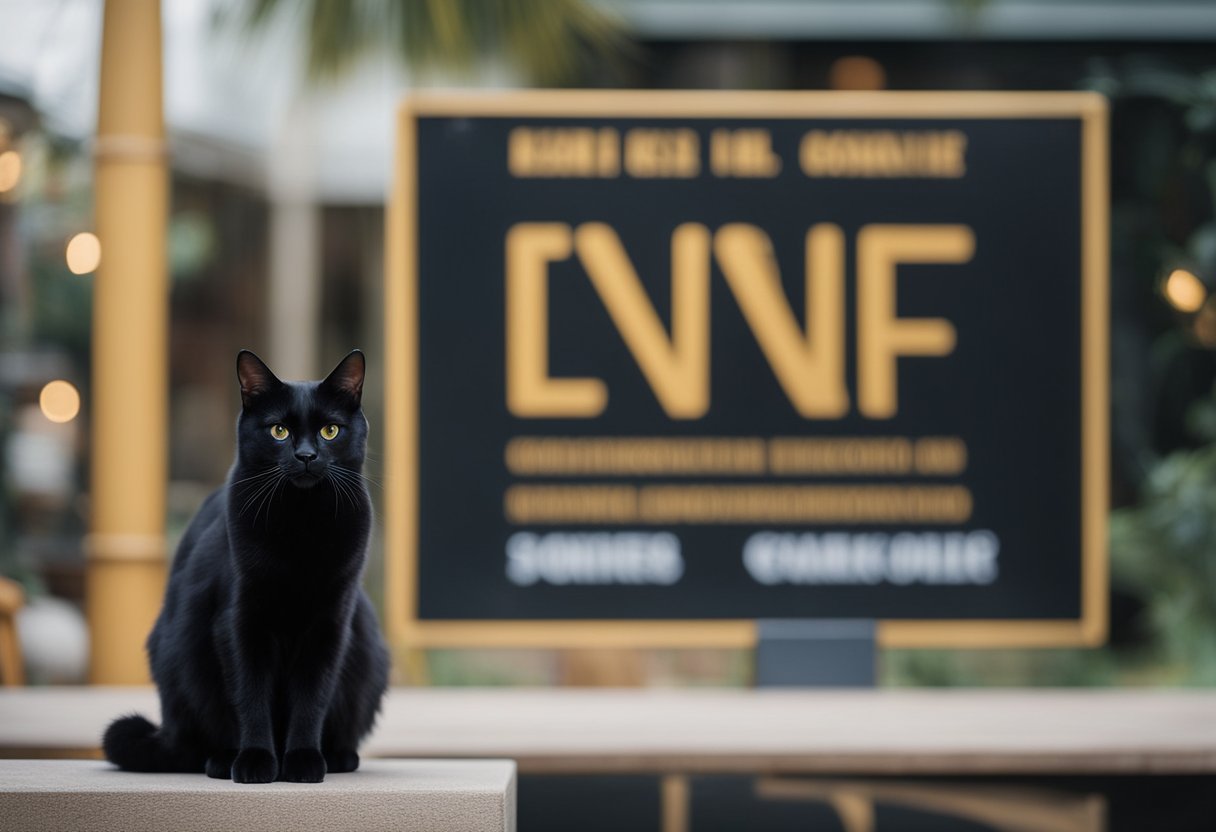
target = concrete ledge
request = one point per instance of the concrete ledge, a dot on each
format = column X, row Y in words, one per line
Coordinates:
column 415, row 795
column 776, row 731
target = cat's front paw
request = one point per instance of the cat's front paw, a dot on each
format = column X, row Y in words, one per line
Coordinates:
column 339, row 760
column 219, row 764
column 303, row 765
column 254, row 765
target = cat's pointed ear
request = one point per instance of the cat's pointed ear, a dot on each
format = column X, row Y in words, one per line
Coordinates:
column 346, row 380
column 255, row 377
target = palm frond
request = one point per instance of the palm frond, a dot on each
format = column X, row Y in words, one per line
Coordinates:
column 549, row 41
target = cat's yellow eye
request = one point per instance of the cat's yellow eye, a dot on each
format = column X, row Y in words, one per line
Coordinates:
column 279, row 432
column 329, row 431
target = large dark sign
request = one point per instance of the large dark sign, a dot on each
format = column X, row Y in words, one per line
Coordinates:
column 662, row 364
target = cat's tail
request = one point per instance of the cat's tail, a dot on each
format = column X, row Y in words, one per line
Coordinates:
column 135, row 744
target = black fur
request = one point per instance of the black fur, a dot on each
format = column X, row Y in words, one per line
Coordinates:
column 267, row 654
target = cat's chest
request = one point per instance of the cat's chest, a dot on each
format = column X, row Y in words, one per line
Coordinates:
column 314, row 546
column 304, row 541
column 292, row 601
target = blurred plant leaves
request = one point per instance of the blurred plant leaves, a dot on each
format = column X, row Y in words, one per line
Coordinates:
column 548, row 40
column 1166, row 548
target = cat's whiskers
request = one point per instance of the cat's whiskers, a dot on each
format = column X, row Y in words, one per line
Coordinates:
column 253, row 486
column 352, row 486
column 335, row 489
column 355, row 476
column 258, row 481
column 249, row 501
column 268, row 497
column 257, row 476
column 262, row 488
column 351, row 494
column 341, row 487
column 340, row 474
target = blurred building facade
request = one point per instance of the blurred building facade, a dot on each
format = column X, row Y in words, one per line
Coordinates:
column 276, row 236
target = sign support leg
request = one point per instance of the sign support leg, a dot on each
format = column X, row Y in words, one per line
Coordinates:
column 821, row 653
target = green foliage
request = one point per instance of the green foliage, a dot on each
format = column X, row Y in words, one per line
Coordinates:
column 1163, row 550
column 1166, row 548
column 998, row 668
column 62, row 309
column 549, row 40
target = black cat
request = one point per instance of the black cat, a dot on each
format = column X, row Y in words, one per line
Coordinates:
column 267, row 654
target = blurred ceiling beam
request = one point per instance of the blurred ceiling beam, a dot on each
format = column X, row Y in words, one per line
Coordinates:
column 902, row 20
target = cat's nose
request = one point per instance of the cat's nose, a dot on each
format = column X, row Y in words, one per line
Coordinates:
column 306, row 455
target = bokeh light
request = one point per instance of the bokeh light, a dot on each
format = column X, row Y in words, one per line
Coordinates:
column 84, row 253
column 1204, row 326
column 59, row 400
column 10, row 170
column 857, row 72
column 1184, row 291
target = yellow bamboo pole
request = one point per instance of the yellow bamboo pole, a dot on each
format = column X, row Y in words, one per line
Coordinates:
column 126, row 544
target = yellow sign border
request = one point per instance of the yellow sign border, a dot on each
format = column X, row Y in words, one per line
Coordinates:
column 401, row 362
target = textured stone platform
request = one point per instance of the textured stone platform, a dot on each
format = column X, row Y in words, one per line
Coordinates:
column 414, row 795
